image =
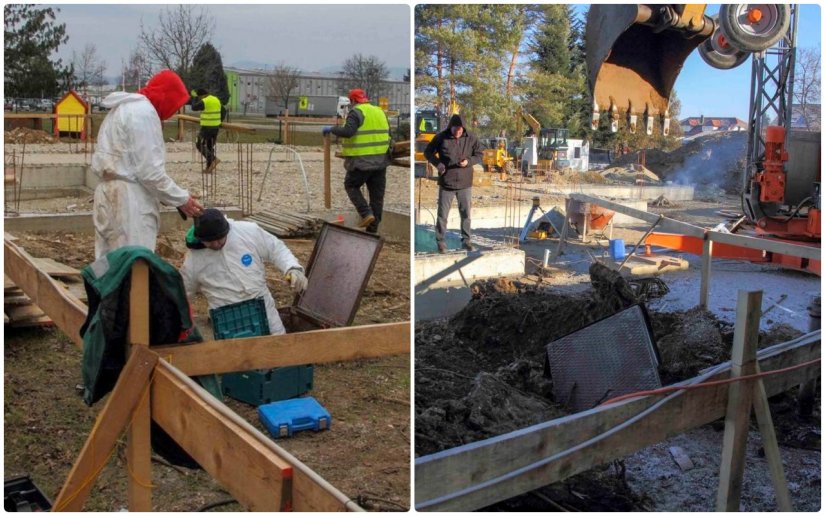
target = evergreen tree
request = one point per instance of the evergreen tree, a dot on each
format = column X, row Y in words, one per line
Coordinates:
column 31, row 35
column 207, row 72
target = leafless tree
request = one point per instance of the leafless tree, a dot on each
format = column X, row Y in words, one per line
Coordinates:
column 367, row 73
column 136, row 71
column 180, row 32
column 807, row 87
column 282, row 81
column 88, row 68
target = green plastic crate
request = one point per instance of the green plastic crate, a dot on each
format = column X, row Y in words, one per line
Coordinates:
column 259, row 386
column 238, row 320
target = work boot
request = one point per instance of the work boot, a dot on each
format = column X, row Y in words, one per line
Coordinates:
column 366, row 221
column 467, row 246
column 214, row 165
column 442, row 247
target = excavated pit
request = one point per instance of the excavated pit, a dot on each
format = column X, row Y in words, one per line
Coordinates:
column 481, row 374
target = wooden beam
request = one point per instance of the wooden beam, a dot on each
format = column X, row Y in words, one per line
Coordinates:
column 131, row 386
column 771, row 447
column 740, row 401
column 241, row 128
column 67, row 312
column 665, row 224
column 440, row 475
column 138, row 443
column 241, row 460
column 704, row 283
column 327, row 173
column 310, row 347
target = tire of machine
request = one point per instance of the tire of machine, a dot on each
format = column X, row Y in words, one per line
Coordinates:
column 747, row 38
column 712, row 52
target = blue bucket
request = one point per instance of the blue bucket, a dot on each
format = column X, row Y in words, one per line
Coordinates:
column 617, row 249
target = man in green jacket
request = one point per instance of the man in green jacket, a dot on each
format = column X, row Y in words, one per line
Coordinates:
column 366, row 156
column 212, row 113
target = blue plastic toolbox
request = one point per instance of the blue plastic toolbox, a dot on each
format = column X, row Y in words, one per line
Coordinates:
column 283, row 418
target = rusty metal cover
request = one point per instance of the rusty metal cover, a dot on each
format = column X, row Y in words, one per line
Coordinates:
column 611, row 357
column 338, row 271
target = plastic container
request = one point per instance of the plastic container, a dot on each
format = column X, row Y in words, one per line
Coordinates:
column 617, row 249
column 284, row 418
column 262, row 386
column 238, row 320
column 21, row 494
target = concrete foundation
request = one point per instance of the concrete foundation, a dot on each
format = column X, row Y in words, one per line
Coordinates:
column 51, row 176
column 463, row 268
column 394, row 227
column 82, row 222
column 492, row 217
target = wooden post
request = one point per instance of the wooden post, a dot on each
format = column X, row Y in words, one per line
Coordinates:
column 740, row 397
column 564, row 229
column 327, row 173
column 179, row 136
column 771, row 447
column 704, row 287
column 109, row 425
column 138, row 448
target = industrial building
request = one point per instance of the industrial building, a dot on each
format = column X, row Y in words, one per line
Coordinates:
column 251, row 88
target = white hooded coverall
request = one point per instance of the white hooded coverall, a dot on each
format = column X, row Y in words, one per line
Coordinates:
column 130, row 160
column 237, row 272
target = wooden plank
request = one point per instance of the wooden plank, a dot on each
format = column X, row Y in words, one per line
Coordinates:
column 240, row 459
column 740, row 400
column 17, row 299
column 68, row 314
column 241, row 128
column 704, row 282
column 327, row 174
column 138, row 443
column 308, row 496
column 56, row 269
column 310, row 347
column 665, row 224
column 23, row 313
column 131, row 386
column 771, row 447
column 439, row 475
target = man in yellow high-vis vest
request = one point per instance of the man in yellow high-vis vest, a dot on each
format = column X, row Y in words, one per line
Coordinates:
column 212, row 113
column 366, row 150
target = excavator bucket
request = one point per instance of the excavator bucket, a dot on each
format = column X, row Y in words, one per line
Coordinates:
column 634, row 54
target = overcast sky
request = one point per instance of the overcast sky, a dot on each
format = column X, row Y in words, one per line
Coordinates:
column 311, row 37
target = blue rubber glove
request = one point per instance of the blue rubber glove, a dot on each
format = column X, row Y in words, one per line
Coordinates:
column 326, row 130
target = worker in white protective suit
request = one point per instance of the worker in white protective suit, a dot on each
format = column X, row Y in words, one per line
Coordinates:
column 130, row 161
column 226, row 262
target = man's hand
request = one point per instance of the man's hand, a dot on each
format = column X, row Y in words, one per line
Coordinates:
column 441, row 168
column 297, row 281
column 463, row 163
column 191, row 207
column 326, row 130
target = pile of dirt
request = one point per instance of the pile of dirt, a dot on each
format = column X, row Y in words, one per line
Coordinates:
column 712, row 160
column 26, row 135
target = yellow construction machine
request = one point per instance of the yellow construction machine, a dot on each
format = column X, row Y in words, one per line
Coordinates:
column 545, row 148
column 497, row 158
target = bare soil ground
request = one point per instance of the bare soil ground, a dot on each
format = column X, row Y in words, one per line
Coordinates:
column 366, row 452
column 481, row 374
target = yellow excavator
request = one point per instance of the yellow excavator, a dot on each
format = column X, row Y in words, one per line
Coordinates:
column 545, row 148
column 497, row 158
column 636, row 51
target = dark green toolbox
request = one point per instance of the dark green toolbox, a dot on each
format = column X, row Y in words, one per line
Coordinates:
column 259, row 386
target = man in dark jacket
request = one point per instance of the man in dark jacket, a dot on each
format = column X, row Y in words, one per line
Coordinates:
column 366, row 156
column 454, row 151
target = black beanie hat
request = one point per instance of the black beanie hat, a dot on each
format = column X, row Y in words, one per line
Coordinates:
column 211, row 226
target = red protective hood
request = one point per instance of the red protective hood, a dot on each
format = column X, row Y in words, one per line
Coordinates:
column 166, row 91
